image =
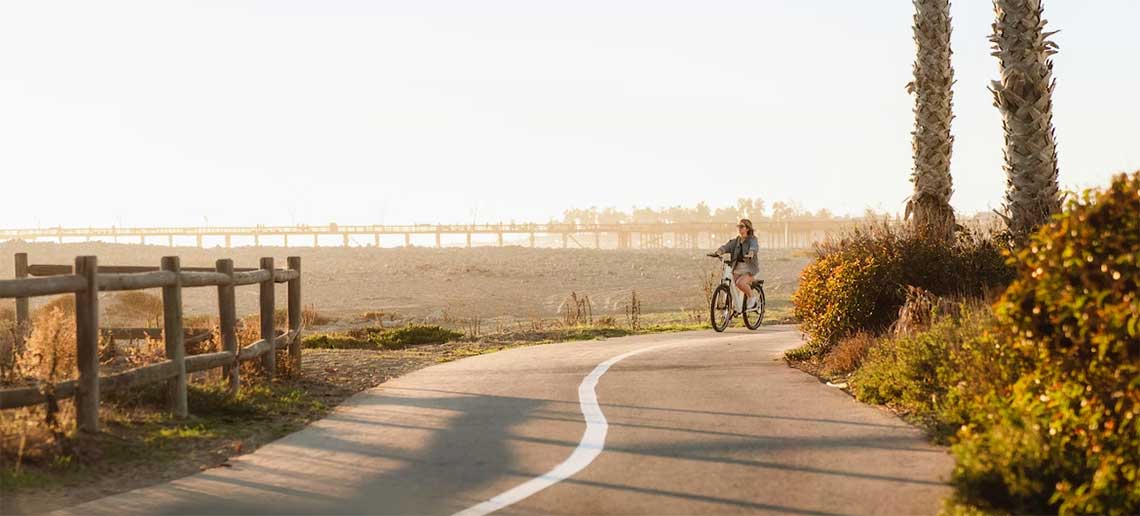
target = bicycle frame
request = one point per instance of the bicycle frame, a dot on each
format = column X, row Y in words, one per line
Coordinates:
column 727, row 279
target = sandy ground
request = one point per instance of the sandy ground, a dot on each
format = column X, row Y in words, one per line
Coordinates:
column 450, row 283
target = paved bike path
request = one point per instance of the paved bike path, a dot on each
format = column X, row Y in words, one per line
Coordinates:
column 702, row 423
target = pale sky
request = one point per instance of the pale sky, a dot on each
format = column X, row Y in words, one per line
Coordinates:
column 283, row 112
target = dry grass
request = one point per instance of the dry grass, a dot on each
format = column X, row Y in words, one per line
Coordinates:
column 38, row 434
column 8, row 338
column 134, row 308
column 373, row 316
column 310, row 318
column 198, row 321
column 846, row 357
column 633, row 312
column 50, row 351
column 577, row 310
column 710, row 280
column 148, row 351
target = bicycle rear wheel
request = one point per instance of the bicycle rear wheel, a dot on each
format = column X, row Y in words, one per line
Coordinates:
column 754, row 317
column 720, row 308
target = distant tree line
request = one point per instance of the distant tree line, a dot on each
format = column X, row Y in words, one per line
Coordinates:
column 756, row 209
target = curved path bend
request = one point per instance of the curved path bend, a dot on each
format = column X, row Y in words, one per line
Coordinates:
column 700, row 423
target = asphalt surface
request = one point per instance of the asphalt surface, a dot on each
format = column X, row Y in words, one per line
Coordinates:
column 706, row 423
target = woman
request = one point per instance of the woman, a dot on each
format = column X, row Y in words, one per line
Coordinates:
column 745, row 250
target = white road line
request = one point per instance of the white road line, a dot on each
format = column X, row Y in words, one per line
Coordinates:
column 592, row 443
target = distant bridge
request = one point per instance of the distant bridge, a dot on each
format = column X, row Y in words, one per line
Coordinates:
column 772, row 234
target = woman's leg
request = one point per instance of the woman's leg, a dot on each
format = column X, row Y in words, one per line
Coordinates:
column 744, row 283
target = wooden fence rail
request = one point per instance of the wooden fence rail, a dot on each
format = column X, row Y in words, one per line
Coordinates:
column 87, row 279
column 191, row 335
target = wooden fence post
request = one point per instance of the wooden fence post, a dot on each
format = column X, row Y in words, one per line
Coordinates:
column 87, row 342
column 295, row 313
column 172, row 332
column 23, row 314
column 227, row 322
column 269, row 361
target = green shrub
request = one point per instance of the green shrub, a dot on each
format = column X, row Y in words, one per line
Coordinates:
column 382, row 338
column 857, row 283
column 940, row 375
column 415, row 335
column 1066, row 437
column 336, row 341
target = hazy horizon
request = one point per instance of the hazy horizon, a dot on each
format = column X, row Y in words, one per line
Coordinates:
column 282, row 113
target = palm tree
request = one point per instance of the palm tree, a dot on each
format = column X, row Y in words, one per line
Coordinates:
column 929, row 205
column 1024, row 95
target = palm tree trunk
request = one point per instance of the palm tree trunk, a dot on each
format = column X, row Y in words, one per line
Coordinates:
column 1024, row 95
column 929, row 205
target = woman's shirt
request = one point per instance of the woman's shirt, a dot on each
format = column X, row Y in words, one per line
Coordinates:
column 745, row 254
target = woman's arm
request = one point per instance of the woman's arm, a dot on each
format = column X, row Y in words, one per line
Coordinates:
column 727, row 247
column 753, row 248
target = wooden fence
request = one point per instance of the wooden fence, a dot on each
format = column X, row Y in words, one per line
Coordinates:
column 87, row 279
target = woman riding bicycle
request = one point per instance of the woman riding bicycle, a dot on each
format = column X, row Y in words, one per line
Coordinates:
column 745, row 250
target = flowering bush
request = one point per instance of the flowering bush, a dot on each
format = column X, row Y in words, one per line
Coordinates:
column 858, row 283
column 1067, row 437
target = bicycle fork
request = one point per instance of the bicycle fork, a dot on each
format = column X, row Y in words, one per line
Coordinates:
column 737, row 298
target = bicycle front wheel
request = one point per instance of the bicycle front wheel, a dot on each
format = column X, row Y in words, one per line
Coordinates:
column 720, row 308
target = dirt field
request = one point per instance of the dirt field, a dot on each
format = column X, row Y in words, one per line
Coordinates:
column 438, row 285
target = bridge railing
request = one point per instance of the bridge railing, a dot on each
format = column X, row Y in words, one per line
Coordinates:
column 87, row 279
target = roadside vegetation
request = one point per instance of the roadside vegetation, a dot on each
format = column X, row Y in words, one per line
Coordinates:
column 1027, row 365
column 1020, row 349
column 373, row 337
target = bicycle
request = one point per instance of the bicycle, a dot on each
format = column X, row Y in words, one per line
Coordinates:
column 726, row 301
